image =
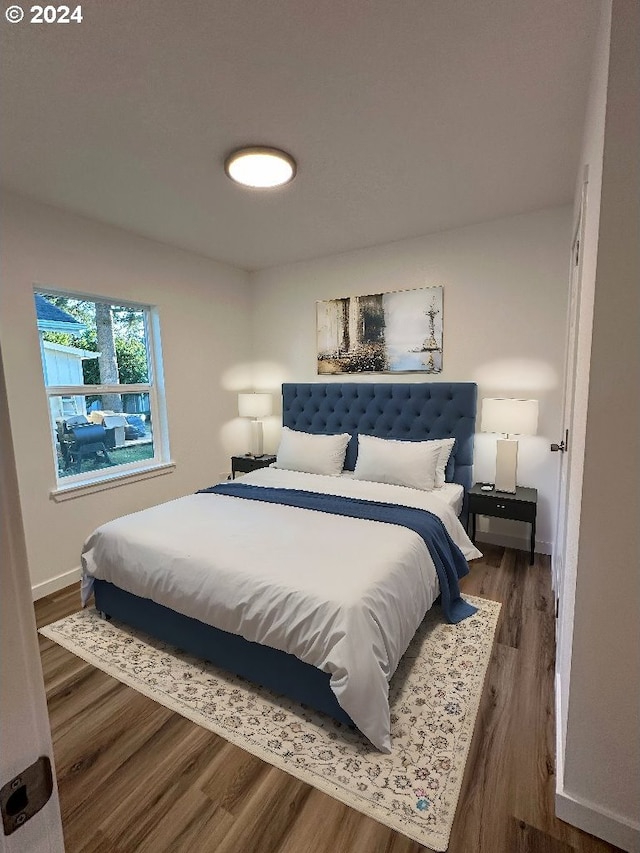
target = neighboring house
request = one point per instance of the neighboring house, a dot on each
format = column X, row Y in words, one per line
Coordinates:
column 62, row 364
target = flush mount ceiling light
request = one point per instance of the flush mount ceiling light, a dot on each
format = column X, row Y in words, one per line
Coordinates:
column 260, row 167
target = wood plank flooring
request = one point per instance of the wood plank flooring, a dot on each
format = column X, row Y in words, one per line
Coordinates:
column 135, row 777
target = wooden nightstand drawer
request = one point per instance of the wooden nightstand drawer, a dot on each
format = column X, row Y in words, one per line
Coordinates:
column 500, row 507
column 246, row 464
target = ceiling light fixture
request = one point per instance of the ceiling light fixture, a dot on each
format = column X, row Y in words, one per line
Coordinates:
column 260, row 167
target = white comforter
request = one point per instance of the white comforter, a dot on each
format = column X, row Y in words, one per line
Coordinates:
column 345, row 595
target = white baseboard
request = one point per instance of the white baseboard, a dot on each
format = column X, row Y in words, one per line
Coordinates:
column 39, row 590
column 600, row 822
column 512, row 542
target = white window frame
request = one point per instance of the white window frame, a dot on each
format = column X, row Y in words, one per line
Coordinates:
column 160, row 463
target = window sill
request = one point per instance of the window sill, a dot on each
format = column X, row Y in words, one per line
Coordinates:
column 78, row 490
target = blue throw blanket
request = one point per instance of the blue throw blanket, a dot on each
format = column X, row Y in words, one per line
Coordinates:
column 447, row 557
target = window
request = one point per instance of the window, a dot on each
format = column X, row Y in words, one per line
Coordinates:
column 102, row 365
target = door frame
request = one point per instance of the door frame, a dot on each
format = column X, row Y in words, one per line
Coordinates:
column 558, row 558
column 564, row 560
column 25, row 734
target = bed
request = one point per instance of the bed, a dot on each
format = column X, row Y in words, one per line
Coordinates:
column 308, row 604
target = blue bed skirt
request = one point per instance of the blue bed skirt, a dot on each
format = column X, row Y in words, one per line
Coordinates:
column 278, row 671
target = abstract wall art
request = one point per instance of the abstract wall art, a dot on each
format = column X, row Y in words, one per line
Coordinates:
column 396, row 332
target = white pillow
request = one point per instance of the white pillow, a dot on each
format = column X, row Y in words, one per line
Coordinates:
column 313, row 454
column 446, row 446
column 399, row 463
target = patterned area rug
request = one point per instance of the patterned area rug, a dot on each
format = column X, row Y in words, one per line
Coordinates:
column 434, row 702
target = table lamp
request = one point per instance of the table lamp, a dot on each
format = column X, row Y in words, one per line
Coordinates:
column 255, row 406
column 509, row 417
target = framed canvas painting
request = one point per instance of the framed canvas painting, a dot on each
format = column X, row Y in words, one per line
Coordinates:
column 396, row 332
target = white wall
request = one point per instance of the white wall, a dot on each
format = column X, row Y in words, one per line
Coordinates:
column 505, row 295
column 599, row 787
column 203, row 310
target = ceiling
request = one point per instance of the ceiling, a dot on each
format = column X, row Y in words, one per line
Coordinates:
column 406, row 117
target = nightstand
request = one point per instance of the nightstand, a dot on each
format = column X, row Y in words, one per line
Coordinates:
column 519, row 507
column 245, row 464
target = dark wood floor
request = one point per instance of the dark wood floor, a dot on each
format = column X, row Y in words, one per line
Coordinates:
column 134, row 776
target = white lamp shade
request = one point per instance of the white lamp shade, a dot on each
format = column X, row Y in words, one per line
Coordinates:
column 513, row 417
column 254, row 405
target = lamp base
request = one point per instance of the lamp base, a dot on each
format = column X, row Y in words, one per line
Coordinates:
column 506, row 462
column 256, row 438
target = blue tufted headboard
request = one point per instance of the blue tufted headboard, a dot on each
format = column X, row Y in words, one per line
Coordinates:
column 408, row 410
